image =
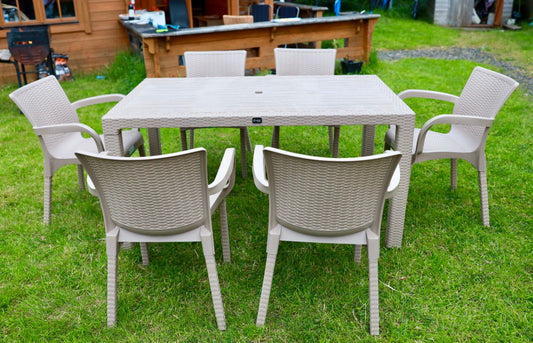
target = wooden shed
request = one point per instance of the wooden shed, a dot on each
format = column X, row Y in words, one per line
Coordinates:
column 91, row 33
column 88, row 31
column 460, row 13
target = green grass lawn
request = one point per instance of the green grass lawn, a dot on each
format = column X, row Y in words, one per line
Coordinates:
column 452, row 280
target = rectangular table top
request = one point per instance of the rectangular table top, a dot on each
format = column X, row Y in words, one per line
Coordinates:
column 263, row 101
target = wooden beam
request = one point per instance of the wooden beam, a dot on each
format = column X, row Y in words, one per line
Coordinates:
column 498, row 12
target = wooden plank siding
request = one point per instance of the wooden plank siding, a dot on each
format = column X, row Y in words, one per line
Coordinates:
column 87, row 51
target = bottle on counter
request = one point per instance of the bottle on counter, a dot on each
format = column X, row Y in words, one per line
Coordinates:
column 131, row 10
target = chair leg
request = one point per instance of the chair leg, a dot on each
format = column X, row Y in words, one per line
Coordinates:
column 224, row 232
column 453, row 173
column 373, row 286
column 484, row 197
column 191, row 138
column 265, row 291
column 47, row 199
column 209, row 254
column 334, row 135
column 81, row 177
column 272, row 252
column 248, row 141
column 112, row 264
column 330, row 136
column 183, row 134
column 244, row 165
column 357, row 253
column 335, row 144
column 145, row 254
column 275, row 137
column 142, row 150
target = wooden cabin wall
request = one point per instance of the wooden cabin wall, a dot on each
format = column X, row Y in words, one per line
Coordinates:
column 459, row 12
column 87, row 51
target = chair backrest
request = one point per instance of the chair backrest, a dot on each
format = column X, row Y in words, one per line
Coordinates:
column 215, row 63
column 237, row 19
column 260, row 12
column 484, row 94
column 328, row 196
column 156, row 195
column 305, row 61
column 287, row 12
column 44, row 102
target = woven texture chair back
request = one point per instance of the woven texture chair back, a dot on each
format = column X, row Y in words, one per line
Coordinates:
column 157, row 195
column 327, row 196
column 483, row 96
column 44, row 102
column 215, row 63
column 305, row 61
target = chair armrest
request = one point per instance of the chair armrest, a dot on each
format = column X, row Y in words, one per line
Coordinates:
column 90, row 184
column 91, row 187
column 418, row 93
column 225, row 177
column 70, row 127
column 449, row 119
column 394, row 182
column 258, row 170
column 100, row 99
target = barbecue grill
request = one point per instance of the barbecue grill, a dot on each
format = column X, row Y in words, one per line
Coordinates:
column 30, row 45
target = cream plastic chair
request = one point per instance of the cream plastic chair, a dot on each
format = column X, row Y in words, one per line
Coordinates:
column 307, row 204
column 164, row 198
column 473, row 114
column 237, row 19
column 215, row 64
column 56, row 123
column 307, row 62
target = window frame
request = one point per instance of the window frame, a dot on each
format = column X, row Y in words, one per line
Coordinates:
column 79, row 22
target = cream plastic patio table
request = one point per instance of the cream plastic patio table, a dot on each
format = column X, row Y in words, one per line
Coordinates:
column 270, row 101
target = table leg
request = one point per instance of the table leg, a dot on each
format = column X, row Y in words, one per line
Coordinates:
column 154, row 141
column 398, row 204
column 113, row 143
column 369, row 134
column 244, row 166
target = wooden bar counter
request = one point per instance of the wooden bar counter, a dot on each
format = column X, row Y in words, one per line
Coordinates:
column 162, row 51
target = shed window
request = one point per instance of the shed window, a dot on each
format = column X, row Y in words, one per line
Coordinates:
column 22, row 12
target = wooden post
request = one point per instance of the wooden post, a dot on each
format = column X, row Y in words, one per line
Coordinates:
column 498, row 11
column 233, row 7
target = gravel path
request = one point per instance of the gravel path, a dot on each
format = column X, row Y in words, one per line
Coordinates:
column 472, row 54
